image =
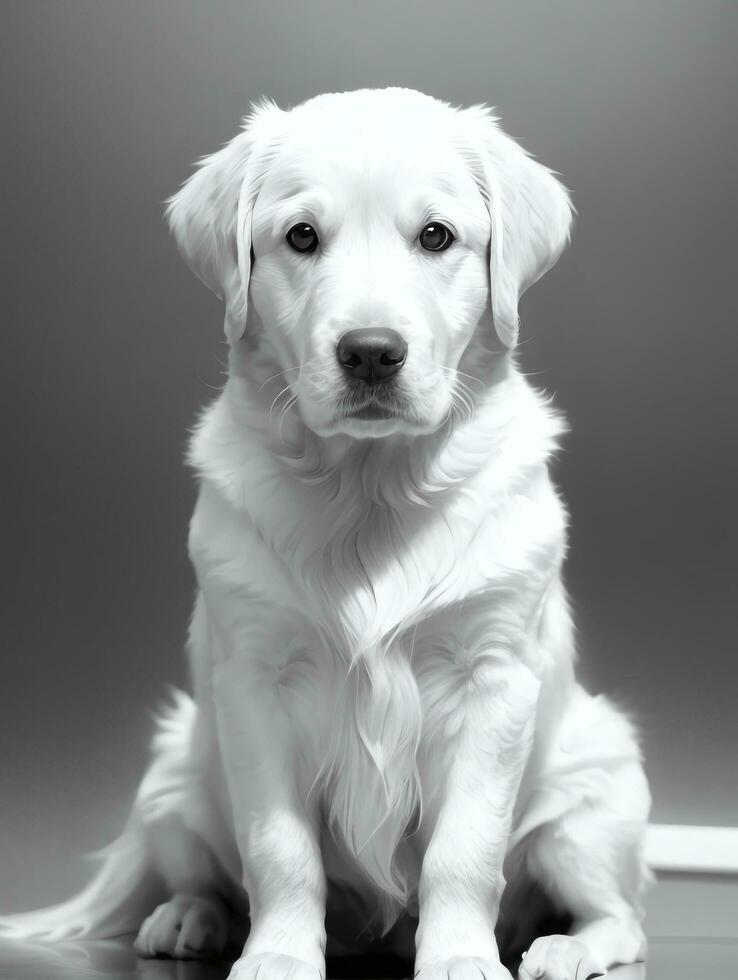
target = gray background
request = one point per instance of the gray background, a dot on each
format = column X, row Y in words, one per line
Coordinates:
column 110, row 346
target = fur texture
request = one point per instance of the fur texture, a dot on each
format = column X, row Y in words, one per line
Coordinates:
column 385, row 720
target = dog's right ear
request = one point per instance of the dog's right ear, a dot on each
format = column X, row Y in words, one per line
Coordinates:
column 210, row 216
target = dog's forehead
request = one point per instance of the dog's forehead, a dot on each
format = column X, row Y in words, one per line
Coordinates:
column 386, row 114
column 376, row 156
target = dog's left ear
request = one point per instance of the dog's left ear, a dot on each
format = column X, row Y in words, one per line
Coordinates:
column 530, row 219
column 210, row 216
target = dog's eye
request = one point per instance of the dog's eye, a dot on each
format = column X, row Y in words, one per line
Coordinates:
column 302, row 237
column 436, row 237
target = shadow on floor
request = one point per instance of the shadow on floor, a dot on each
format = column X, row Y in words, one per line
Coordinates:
column 116, row 960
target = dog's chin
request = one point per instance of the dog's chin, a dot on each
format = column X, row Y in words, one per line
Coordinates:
column 372, row 421
column 372, row 427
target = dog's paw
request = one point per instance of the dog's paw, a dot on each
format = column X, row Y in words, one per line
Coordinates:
column 558, row 958
column 185, row 927
column 463, row 968
column 274, row 966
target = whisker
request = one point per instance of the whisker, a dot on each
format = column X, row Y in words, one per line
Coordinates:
column 454, row 409
column 463, row 394
column 222, row 364
column 271, row 407
column 278, row 375
column 207, row 384
column 456, row 371
column 291, row 402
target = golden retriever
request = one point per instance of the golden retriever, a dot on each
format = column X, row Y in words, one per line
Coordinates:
column 386, row 726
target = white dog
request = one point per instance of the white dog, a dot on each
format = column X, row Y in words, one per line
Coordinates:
column 386, row 726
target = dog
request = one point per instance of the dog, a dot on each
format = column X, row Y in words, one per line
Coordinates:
column 386, row 737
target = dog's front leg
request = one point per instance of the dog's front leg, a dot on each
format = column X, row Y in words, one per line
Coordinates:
column 477, row 761
column 275, row 830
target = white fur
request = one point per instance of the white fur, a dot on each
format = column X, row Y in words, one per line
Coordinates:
column 385, row 716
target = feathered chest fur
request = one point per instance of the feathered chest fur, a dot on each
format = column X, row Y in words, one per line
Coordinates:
column 370, row 549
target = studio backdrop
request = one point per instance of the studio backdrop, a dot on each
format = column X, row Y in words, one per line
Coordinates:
column 110, row 347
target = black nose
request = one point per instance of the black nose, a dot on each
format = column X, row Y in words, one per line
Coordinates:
column 371, row 354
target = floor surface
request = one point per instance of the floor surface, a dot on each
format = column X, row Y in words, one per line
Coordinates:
column 115, row 960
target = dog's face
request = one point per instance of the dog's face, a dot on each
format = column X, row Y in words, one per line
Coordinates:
column 370, row 242
column 366, row 231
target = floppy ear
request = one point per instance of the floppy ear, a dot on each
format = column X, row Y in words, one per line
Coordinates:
column 530, row 218
column 210, row 216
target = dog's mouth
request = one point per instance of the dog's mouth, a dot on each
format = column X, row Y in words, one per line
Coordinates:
column 371, row 412
column 375, row 408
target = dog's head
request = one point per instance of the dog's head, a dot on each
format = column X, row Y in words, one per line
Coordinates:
column 365, row 235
